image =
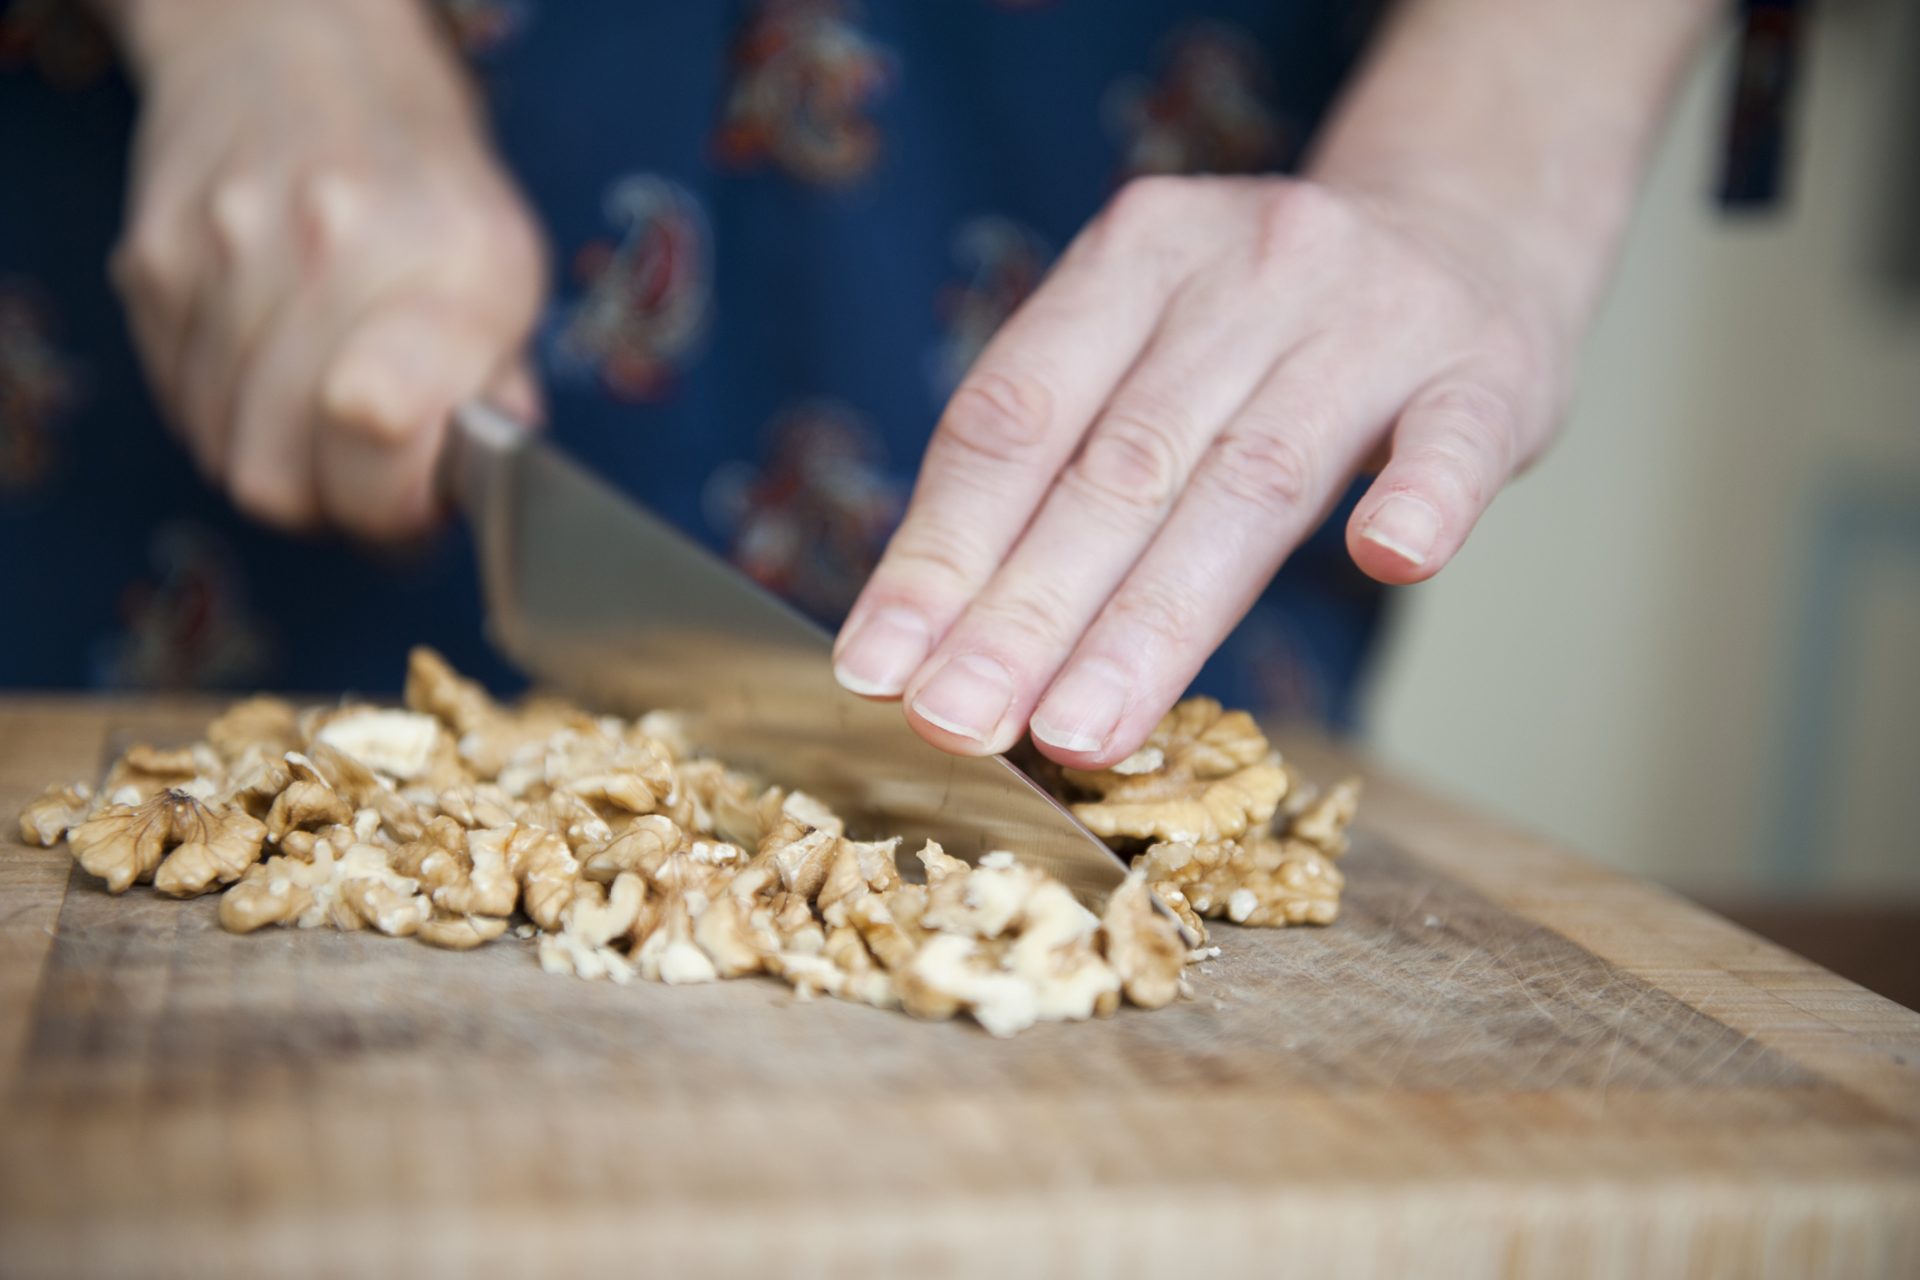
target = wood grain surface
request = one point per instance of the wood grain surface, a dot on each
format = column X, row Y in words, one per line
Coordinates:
column 1502, row 1060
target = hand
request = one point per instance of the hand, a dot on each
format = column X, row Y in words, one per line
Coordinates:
column 322, row 257
column 1169, row 415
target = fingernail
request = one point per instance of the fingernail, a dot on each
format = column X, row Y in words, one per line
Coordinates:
column 967, row 697
column 1404, row 525
column 1081, row 711
column 883, row 652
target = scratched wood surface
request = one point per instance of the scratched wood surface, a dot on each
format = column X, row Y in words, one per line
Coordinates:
column 1502, row 1060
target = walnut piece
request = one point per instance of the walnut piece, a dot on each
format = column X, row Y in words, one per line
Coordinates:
column 265, row 726
column 1261, row 880
column 1204, row 774
column 1143, row 946
column 623, row 854
column 173, row 838
column 399, row 744
column 59, row 809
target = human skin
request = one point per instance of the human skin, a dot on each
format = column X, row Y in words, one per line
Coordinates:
column 1189, row 392
column 323, row 257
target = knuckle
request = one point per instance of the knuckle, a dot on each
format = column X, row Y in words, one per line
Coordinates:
column 998, row 418
column 1270, row 470
column 330, row 208
column 1468, row 439
column 150, row 258
column 236, row 216
column 1137, row 207
column 1019, row 622
column 511, row 235
column 934, row 560
column 1470, row 408
column 1298, row 222
column 1132, row 462
column 1158, row 612
column 511, row 250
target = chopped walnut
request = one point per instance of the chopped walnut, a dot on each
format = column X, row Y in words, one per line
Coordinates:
column 1262, row 880
column 1323, row 823
column 435, row 688
column 307, row 804
column 263, row 726
column 591, row 924
column 255, row 780
column 59, row 809
column 124, row 843
column 174, row 839
column 669, row 954
column 727, row 803
column 644, row 846
column 482, row 805
column 399, row 744
column 461, row 933
column 621, row 853
column 350, row 887
column 213, row 846
column 1203, row 775
column 1145, row 948
column 145, row 771
column 1174, row 899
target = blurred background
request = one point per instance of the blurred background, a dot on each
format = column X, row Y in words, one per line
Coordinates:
column 1688, row 643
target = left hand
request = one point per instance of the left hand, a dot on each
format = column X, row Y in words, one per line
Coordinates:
column 1168, row 416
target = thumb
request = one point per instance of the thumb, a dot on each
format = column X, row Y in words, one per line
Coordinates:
column 1452, row 450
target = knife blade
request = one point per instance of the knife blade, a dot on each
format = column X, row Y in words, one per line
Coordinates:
column 593, row 596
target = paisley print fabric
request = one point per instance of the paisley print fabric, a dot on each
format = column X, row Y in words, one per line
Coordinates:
column 783, row 228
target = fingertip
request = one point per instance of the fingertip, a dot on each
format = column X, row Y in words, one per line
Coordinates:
column 965, row 705
column 880, row 649
column 949, row 741
column 1117, row 746
column 1083, row 713
column 1397, row 538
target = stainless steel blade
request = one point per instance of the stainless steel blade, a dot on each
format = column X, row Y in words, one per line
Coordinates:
column 598, row 598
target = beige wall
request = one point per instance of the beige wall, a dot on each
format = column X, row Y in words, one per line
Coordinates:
column 1687, row 643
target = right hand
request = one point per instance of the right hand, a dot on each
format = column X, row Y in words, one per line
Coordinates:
column 322, row 256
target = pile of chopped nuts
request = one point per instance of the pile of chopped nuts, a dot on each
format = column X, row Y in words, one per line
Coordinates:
column 626, row 854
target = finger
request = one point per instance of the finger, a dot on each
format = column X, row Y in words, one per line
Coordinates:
column 159, row 261
column 1453, row 448
column 385, row 400
column 1209, row 355
column 154, row 270
column 270, row 469
column 1005, row 434
column 270, row 453
column 249, row 272
column 1266, row 482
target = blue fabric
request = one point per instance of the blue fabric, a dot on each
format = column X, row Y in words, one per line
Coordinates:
column 781, row 229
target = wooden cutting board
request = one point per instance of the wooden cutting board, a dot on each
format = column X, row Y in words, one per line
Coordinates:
column 1501, row 1060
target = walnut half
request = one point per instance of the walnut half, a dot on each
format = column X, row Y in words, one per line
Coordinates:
column 179, row 842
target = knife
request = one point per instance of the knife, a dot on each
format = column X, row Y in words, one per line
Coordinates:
column 593, row 596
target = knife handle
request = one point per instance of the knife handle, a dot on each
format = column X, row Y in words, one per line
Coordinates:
column 481, row 438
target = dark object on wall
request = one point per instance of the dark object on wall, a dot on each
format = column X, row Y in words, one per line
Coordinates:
column 1895, row 260
column 1753, row 166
